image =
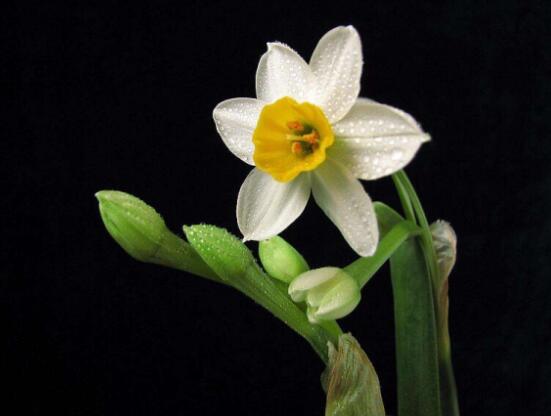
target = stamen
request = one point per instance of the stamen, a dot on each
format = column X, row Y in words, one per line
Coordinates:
column 312, row 138
column 304, row 140
column 296, row 148
column 295, row 126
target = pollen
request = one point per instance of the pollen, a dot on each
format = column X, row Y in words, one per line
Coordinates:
column 312, row 138
column 291, row 138
column 295, row 126
column 296, row 148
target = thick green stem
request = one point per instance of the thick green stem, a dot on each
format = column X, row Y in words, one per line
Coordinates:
column 365, row 268
column 426, row 236
column 332, row 328
column 404, row 198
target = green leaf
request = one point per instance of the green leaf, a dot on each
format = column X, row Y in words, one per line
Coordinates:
column 416, row 339
column 234, row 263
column 415, row 322
column 351, row 382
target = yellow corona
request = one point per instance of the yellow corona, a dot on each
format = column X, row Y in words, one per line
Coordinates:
column 291, row 138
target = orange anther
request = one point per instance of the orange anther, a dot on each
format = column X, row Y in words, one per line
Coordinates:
column 295, row 126
column 312, row 138
column 296, row 148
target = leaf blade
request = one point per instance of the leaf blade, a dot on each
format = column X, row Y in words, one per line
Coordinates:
column 415, row 327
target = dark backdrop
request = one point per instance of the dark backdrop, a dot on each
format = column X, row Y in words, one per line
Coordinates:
column 120, row 97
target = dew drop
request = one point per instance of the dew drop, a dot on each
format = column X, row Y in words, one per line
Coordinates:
column 396, row 154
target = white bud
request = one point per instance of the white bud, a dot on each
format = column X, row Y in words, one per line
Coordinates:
column 309, row 280
column 445, row 244
column 329, row 292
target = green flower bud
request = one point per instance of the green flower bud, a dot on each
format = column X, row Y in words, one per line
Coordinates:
column 329, row 292
column 281, row 260
column 143, row 234
column 136, row 226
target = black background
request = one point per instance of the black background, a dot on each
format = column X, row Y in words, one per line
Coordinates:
column 120, row 97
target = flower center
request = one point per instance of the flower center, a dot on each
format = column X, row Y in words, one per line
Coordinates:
column 304, row 139
column 290, row 138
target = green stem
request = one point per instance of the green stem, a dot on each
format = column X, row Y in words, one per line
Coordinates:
column 426, row 236
column 365, row 268
column 404, row 198
column 332, row 328
column 260, row 288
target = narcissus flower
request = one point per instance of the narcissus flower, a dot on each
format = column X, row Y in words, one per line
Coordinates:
column 307, row 130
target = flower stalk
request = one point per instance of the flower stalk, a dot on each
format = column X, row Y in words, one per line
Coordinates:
column 364, row 268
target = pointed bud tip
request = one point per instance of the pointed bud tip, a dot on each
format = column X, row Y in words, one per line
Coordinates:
column 109, row 195
column 103, row 194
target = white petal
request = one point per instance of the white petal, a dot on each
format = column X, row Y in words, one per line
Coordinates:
column 376, row 140
column 340, row 300
column 265, row 207
column 235, row 121
column 310, row 279
column 346, row 203
column 283, row 73
column 337, row 64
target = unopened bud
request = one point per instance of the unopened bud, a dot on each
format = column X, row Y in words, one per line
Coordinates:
column 280, row 259
column 136, row 226
column 445, row 244
column 329, row 292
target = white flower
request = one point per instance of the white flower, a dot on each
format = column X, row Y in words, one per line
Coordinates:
column 308, row 131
